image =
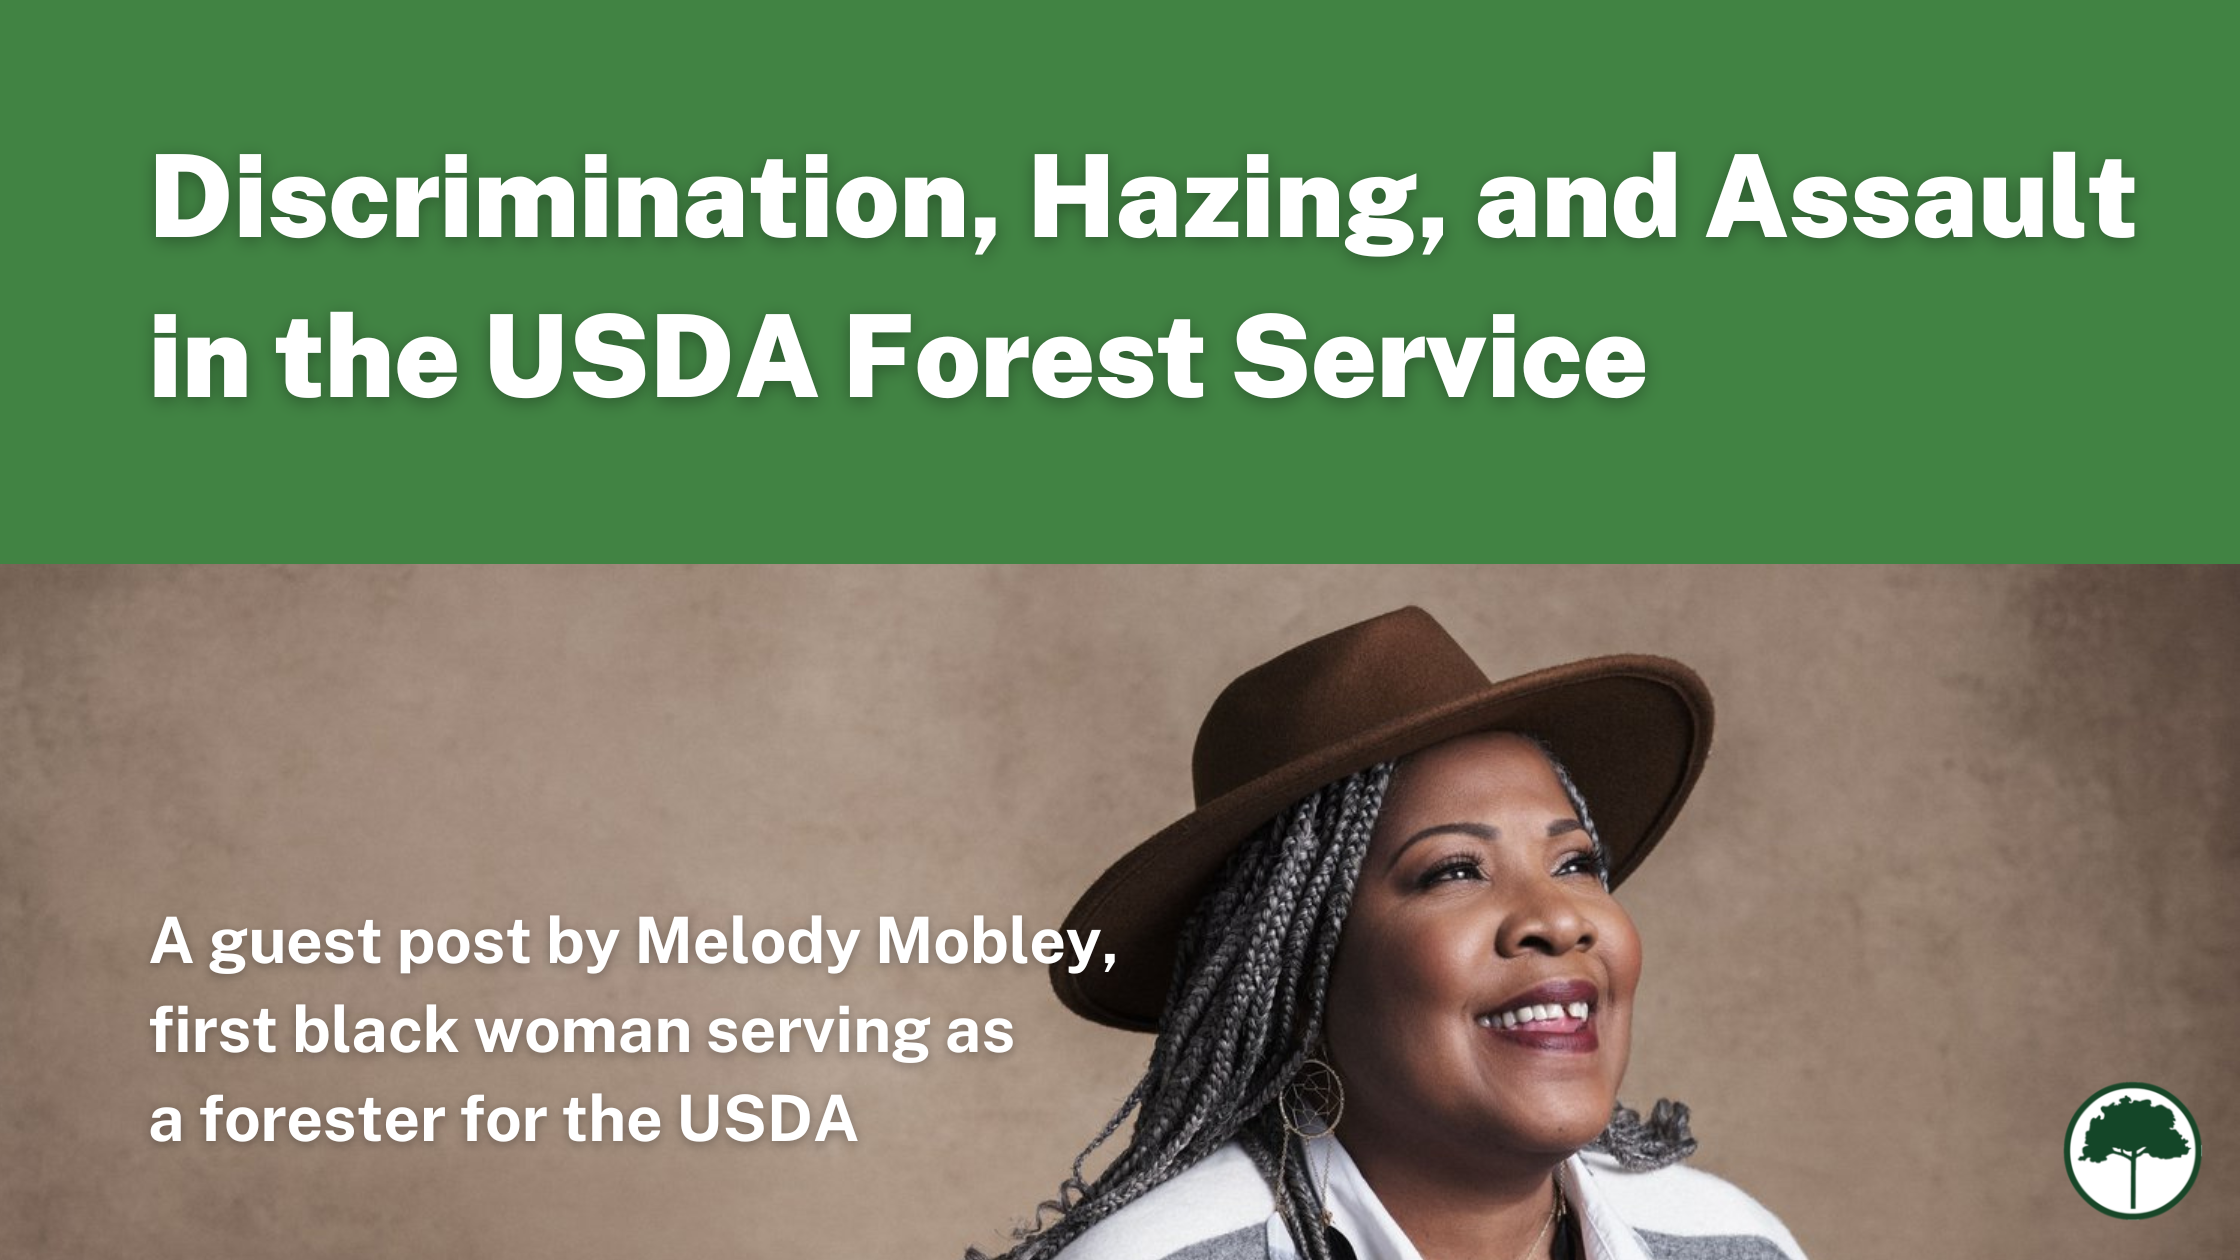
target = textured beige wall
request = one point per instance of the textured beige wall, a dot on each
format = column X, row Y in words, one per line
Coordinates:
column 1965, row 852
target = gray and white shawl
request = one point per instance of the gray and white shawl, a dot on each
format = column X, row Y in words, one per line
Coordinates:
column 1220, row 1209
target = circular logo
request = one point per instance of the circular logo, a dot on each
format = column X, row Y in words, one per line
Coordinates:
column 2133, row 1150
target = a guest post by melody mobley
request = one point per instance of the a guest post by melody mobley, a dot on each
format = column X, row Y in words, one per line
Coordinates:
column 315, row 1026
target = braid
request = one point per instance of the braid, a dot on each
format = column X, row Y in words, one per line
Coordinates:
column 1578, row 806
column 1639, row 1146
column 1246, row 1004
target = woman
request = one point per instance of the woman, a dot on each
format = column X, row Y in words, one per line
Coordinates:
column 1392, row 991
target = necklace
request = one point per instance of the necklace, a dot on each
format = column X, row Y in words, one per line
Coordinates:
column 1555, row 1210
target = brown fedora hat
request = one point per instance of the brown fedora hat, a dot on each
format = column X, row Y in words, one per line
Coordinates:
column 1632, row 730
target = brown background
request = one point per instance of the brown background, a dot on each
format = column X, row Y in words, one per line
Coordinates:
column 1964, row 854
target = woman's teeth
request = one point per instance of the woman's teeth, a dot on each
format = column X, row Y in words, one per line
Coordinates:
column 1543, row 1013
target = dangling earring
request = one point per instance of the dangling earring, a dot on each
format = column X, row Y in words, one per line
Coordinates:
column 1311, row 1107
column 1315, row 1100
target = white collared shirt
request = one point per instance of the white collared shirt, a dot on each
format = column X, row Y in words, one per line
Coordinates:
column 1357, row 1213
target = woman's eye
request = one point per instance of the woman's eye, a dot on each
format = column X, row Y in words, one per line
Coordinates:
column 1453, row 869
column 1584, row 862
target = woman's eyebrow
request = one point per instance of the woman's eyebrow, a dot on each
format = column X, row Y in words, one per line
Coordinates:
column 1479, row 830
column 1561, row 826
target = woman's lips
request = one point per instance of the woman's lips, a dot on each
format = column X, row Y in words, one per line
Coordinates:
column 1557, row 1016
column 1565, row 1033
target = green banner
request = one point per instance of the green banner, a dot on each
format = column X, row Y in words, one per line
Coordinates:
column 1469, row 282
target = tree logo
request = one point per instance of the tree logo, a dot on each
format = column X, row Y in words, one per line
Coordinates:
column 2133, row 1150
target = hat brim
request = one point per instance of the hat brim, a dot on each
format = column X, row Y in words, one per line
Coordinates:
column 1633, row 732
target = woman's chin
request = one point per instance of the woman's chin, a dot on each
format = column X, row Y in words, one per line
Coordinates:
column 1554, row 1127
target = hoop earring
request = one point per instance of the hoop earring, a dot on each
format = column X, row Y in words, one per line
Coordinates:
column 1315, row 1100
column 1310, row 1108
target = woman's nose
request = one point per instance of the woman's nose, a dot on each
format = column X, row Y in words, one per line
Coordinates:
column 1549, row 921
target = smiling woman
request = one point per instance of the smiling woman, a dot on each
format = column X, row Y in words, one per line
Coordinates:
column 1480, row 1004
column 1392, row 990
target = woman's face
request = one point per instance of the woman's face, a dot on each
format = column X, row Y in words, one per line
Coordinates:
column 1481, row 998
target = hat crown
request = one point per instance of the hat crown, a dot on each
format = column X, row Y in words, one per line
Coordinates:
column 1326, row 691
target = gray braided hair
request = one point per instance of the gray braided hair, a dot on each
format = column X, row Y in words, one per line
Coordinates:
column 1245, row 1006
